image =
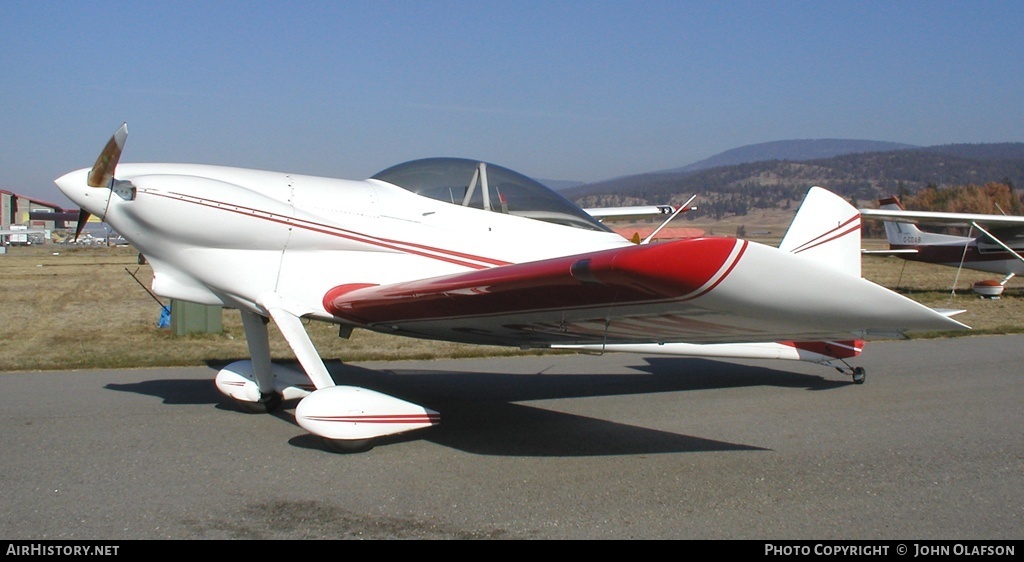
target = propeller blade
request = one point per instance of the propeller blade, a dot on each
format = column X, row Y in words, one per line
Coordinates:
column 103, row 170
column 83, row 217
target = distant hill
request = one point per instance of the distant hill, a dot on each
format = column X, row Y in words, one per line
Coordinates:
column 991, row 151
column 797, row 150
column 778, row 183
column 560, row 185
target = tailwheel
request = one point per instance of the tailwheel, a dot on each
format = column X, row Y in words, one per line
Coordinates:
column 858, row 373
column 268, row 404
column 348, row 446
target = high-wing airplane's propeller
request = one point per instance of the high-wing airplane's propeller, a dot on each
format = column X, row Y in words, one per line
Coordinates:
column 102, row 173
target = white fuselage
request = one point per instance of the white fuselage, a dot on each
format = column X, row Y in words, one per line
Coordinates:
column 220, row 235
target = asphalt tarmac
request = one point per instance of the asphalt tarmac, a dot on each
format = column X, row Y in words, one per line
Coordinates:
column 618, row 446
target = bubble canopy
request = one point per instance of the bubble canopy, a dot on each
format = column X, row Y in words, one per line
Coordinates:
column 480, row 185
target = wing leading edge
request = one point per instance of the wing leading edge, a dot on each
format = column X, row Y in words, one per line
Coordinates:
column 947, row 219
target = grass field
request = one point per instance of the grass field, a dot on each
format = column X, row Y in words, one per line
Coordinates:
column 67, row 307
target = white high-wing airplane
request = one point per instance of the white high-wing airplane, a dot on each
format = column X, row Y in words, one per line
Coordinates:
column 461, row 250
column 24, row 232
column 996, row 248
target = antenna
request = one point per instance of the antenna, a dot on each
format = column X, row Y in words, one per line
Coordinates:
column 682, row 208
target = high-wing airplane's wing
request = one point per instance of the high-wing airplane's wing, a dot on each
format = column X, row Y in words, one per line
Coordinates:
column 9, row 231
column 704, row 290
column 629, row 213
column 949, row 219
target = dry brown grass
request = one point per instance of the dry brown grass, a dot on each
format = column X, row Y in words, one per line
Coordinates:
column 67, row 307
column 72, row 307
column 933, row 285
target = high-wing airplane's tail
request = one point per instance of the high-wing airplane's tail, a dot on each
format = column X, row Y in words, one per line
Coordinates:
column 903, row 235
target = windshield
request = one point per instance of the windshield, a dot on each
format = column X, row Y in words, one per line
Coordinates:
column 480, row 185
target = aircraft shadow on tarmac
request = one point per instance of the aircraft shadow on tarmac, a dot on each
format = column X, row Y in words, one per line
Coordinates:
column 480, row 412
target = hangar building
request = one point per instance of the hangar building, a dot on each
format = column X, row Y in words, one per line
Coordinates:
column 33, row 214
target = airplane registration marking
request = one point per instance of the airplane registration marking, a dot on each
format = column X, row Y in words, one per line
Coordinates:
column 450, row 256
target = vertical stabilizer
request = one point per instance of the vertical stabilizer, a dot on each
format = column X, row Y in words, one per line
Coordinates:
column 826, row 229
column 898, row 233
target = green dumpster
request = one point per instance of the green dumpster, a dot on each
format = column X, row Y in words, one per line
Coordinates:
column 192, row 318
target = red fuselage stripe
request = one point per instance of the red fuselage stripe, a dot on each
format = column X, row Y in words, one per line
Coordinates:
column 381, row 418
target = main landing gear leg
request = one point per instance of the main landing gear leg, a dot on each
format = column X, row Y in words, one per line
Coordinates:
column 257, row 338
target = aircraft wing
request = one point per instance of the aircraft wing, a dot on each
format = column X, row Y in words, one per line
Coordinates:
column 630, row 213
column 7, row 231
column 703, row 290
column 948, row 219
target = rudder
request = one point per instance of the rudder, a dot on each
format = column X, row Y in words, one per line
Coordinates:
column 826, row 229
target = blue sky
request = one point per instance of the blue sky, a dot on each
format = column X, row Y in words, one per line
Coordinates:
column 583, row 90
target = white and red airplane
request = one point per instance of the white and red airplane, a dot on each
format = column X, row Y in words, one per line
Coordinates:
column 996, row 247
column 465, row 251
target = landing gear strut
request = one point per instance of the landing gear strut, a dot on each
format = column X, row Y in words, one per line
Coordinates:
column 858, row 373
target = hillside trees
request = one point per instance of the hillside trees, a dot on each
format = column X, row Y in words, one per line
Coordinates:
column 992, row 198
